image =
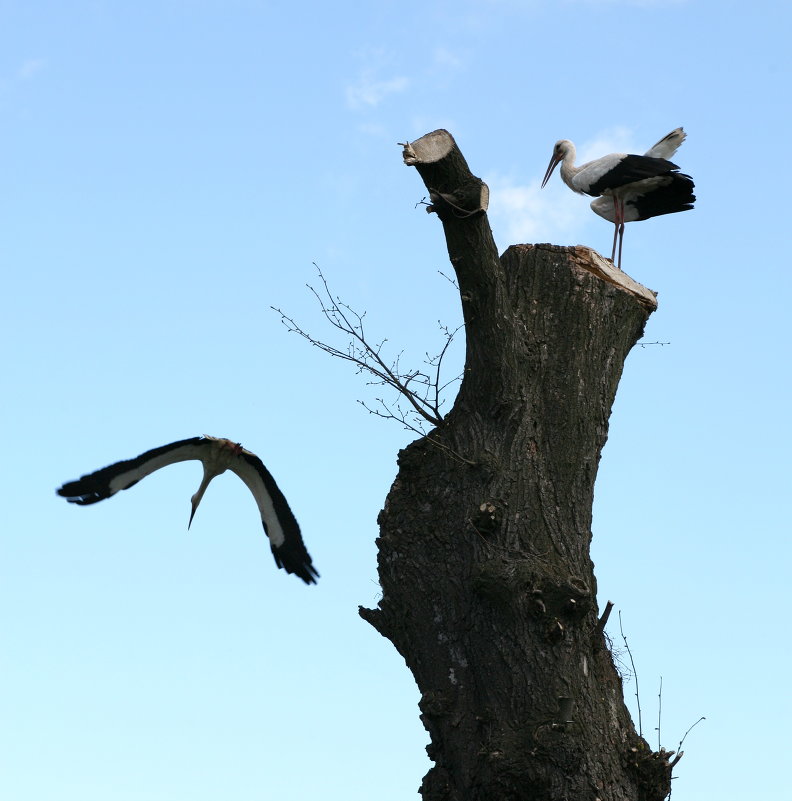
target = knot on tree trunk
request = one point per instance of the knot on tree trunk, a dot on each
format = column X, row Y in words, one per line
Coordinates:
column 651, row 770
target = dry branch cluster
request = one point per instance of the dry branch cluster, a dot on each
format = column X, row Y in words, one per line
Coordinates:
column 420, row 394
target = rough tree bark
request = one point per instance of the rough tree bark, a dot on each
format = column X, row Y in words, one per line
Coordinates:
column 488, row 589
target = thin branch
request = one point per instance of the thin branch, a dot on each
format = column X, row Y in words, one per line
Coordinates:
column 679, row 747
column 451, row 281
column 635, row 673
column 400, row 416
column 422, row 390
column 659, row 711
column 437, row 361
column 679, row 752
column 365, row 356
column 617, row 654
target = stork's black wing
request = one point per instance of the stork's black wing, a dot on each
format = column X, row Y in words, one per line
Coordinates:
column 627, row 169
column 673, row 195
column 106, row 482
column 277, row 518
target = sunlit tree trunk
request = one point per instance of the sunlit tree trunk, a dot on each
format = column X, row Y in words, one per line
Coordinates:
column 488, row 589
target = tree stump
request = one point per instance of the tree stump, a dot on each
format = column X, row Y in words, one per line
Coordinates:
column 488, row 589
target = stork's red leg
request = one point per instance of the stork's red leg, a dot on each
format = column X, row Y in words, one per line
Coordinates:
column 615, row 234
column 619, row 214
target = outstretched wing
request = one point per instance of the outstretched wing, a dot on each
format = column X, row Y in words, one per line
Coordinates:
column 279, row 523
column 668, row 145
column 106, row 482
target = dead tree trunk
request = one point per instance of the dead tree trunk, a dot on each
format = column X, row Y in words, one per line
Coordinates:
column 488, row 589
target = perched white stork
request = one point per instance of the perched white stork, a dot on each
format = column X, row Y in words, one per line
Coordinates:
column 628, row 187
column 217, row 456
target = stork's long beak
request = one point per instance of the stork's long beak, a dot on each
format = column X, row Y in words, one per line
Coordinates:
column 553, row 163
column 196, row 499
column 194, row 509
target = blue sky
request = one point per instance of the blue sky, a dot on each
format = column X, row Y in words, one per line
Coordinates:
column 170, row 171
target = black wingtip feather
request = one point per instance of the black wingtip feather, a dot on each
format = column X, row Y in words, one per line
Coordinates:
column 297, row 562
column 84, row 491
column 675, row 196
column 291, row 554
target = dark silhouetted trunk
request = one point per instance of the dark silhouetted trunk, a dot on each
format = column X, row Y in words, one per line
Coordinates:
column 488, row 589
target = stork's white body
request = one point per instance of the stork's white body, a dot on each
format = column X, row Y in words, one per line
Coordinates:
column 628, row 187
column 216, row 455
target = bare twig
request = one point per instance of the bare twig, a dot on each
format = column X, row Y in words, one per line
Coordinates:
column 679, row 747
column 617, row 654
column 659, row 711
column 679, row 752
column 423, row 391
column 635, row 673
column 644, row 344
column 437, row 361
column 450, row 280
column 415, row 425
column 398, row 414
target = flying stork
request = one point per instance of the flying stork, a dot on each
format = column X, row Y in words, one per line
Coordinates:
column 217, row 455
column 628, row 187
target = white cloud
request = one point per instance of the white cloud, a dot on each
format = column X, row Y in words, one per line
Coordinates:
column 373, row 129
column 30, row 67
column 370, row 91
column 525, row 213
column 611, row 140
column 443, row 57
column 421, row 124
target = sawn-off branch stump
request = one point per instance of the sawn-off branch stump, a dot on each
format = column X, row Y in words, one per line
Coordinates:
column 488, row 589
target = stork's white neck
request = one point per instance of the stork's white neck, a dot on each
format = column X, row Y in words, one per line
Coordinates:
column 568, row 168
